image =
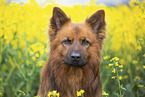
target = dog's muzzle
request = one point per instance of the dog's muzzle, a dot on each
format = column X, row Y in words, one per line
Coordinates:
column 75, row 59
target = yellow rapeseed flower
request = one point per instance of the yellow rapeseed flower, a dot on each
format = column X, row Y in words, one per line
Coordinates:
column 121, row 70
column 110, row 64
column 78, row 93
column 37, row 55
column 121, row 66
column 121, row 85
column 139, row 48
column 144, row 66
column 106, row 57
column 104, row 93
column 49, row 94
column 54, row 91
column 116, row 58
column 82, row 91
column 113, row 77
column 58, row 94
column 40, row 64
column 6, row 37
column 41, row 51
column 33, row 58
column 141, row 86
column 120, row 77
column 143, row 55
column 113, row 70
column 117, row 64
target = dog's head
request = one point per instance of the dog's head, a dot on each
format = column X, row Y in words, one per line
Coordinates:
column 76, row 43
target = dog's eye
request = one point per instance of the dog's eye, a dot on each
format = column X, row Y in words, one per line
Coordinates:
column 67, row 41
column 85, row 42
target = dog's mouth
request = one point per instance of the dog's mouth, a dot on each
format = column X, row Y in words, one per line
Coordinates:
column 75, row 63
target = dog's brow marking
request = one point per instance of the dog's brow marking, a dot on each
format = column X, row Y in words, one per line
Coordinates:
column 76, row 29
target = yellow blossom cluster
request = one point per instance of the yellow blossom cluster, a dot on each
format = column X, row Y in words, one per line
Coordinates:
column 53, row 94
column 105, row 94
column 106, row 57
column 116, row 68
column 80, row 93
column 114, row 59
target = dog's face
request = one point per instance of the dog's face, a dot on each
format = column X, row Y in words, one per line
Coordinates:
column 76, row 43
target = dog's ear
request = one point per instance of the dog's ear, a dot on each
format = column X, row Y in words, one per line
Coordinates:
column 97, row 23
column 97, row 20
column 58, row 19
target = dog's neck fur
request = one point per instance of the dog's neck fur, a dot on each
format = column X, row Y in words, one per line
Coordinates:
column 68, row 80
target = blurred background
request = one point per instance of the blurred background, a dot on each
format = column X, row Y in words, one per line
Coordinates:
column 24, row 45
column 81, row 2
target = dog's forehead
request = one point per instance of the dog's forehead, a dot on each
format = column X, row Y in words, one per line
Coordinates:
column 76, row 30
column 83, row 30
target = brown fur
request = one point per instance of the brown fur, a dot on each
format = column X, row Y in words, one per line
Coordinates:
column 67, row 80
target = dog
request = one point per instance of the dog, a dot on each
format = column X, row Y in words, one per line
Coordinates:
column 75, row 54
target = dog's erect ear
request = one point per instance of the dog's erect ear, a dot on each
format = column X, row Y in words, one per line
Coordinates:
column 58, row 19
column 97, row 23
column 97, row 20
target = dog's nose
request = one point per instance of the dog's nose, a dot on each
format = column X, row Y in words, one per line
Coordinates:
column 75, row 55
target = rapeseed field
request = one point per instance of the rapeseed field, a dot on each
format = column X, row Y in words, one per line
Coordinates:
column 24, row 47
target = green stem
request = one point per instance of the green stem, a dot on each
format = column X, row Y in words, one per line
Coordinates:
column 129, row 67
column 21, row 72
column 116, row 68
column 119, row 84
column 10, row 74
